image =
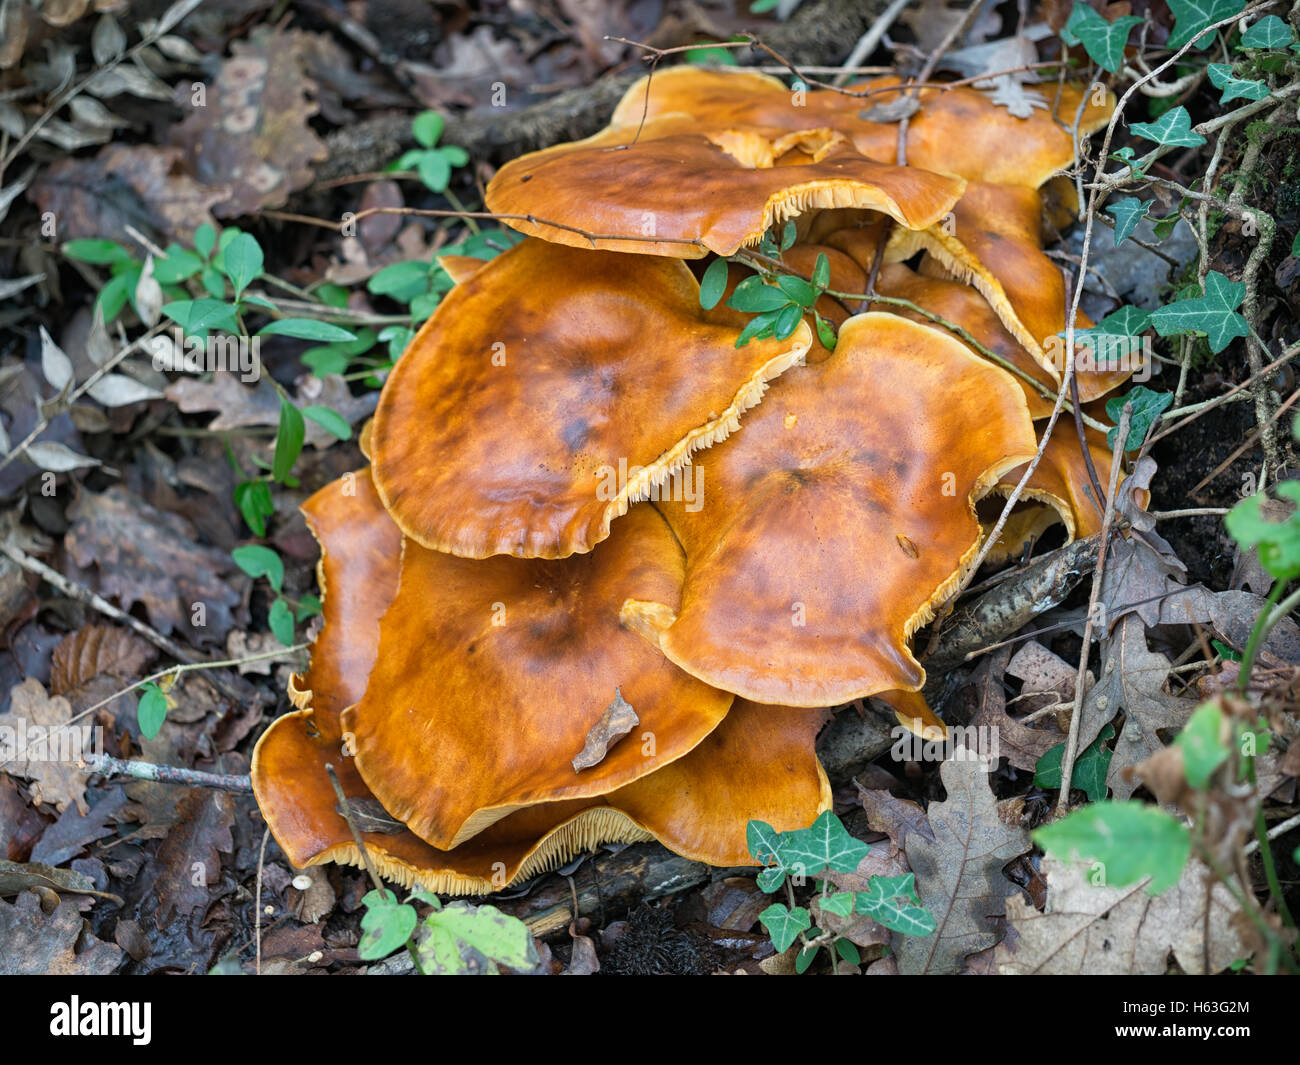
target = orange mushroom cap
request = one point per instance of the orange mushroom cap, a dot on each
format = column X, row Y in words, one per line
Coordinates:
column 759, row 763
column 550, row 390
column 1061, row 479
column 492, row 672
column 681, row 190
column 841, row 516
column 958, row 131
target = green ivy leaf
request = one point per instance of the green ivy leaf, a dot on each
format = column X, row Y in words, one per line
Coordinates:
column 385, row 926
column 784, row 924
column 1278, row 542
column 280, row 620
column 1268, row 32
column 892, row 901
column 840, row 903
column 1090, row 768
column 259, row 561
column 1103, row 41
column 1147, row 407
column 329, row 420
column 151, row 710
column 1213, row 314
column 1127, row 213
column 1202, row 745
column 1193, row 16
column 1126, row 321
column 1130, row 839
column 763, row 842
column 306, row 329
column 713, row 284
column 824, row 845
column 1234, row 88
column 242, row 262
column 1173, row 128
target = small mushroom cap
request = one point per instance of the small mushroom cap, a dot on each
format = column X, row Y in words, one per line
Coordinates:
column 759, row 763
column 1061, row 478
column 550, row 390
column 831, row 531
column 683, row 190
column 491, row 673
column 958, row 131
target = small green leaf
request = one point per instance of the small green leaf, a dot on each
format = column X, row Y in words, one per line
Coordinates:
column 1191, row 17
column 846, row 949
column 113, row 296
column 789, row 233
column 787, row 321
column 1268, row 32
column 459, row 935
column 1130, row 839
column 454, row 154
column 804, row 959
column 1202, row 745
column 98, row 252
column 1278, row 542
column 1147, row 407
column 1103, row 41
column 288, row 440
column 196, row 317
column 253, row 498
column 280, row 620
column 306, row 329
column 713, row 284
column 179, row 264
column 1173, row 128
column 1213, row 314
column 1127, row 212
column 821, row 275
column 151, row 710
column 434, row 171
column 385, row 926
column 760, row 325
column 242, row 262
column 1090, row 768
column 716, row 56
column 797, row 289
column 825, row 333
column 205, row 239
column 401, row 281
column 259, row 561
column 784, row 924
column 840, row 903
column 308, row 607
column 757, row 298
column 329, row 420
column 427, row 128
column 1234, row 88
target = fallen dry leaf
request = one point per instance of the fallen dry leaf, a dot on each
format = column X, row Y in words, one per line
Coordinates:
column 189, row 859
column 1132, row 679
column 36, row 745
column 253, row 134
column 95, row 651
column 616, row 722
column 1107, row 930
column 147, row 556
column 34, row 943
column 141, row 186
column 1022, row 745
column 959, row 874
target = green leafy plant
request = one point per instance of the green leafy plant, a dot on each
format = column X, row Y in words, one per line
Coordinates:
column 150, row 709
column 434, row 163
column 259, row 561
column 791, row 858
column 1090, row 768
column 453, row 939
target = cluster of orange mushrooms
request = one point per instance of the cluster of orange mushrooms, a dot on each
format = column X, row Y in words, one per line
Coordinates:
column 586, row 502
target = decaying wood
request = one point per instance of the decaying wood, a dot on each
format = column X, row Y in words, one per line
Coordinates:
column 820, row 33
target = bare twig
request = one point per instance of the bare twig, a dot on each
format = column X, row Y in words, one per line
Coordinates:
column 108, row 766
